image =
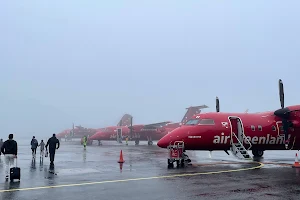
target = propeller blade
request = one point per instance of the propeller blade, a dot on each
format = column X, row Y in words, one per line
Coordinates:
column 281, row 93
column 217, row 104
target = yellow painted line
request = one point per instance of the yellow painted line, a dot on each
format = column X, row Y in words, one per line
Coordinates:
column 217, row 163
column 135, row 179
column 280, row 164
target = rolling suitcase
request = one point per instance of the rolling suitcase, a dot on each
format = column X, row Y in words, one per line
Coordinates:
column 15, row 172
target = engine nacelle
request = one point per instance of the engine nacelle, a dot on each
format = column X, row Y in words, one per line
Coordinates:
column 282, row 113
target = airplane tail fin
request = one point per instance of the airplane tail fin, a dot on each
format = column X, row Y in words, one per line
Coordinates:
column 191, row 111
column 125, row 120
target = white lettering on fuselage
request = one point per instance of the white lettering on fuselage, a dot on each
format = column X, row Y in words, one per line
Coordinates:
column 253, row 140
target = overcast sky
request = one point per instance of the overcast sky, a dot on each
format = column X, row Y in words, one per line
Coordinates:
column 90, row 62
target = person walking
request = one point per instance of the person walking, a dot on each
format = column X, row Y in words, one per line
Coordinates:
column 53, row 144
column 10, row 151
column 1, row 143
column 34, row 144
column 42, row 148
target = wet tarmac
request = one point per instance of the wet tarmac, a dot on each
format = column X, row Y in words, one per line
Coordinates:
column 94, row 173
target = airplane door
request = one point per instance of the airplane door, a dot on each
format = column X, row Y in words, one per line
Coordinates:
column 234, row 129
column 237, row 129
column 291, row 134
column 119, row 135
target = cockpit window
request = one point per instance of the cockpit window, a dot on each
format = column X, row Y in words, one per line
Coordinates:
column 207, row 122
column 192, row 122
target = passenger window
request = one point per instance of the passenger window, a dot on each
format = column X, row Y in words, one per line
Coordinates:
column 252, row 128
column 259, row 127
column 207, row 122
column 273, row 128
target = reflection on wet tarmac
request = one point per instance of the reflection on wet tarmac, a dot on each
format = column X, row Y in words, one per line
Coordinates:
column 11, row 195
column 84, row 155
column 73, row 165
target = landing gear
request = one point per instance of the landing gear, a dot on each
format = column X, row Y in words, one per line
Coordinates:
column 150, row 142
column 99, row 143
column 186, row 158
column 257, row 153
column 137, row 141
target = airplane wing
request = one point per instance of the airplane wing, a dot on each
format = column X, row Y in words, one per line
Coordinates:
column 156, row 125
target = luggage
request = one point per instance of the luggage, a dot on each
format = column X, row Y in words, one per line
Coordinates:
column 46, row 154
column 15, row 173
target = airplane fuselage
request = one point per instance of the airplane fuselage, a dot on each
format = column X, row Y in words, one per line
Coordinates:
column 217, row 131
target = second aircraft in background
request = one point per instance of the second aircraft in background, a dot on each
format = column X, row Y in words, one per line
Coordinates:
column 142, row 132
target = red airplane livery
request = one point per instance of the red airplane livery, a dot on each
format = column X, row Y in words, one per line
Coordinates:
column 113, row 132
column 142, row 132
column 76, row 132
column 151, row 132
column 239, row 132
column 80, row 132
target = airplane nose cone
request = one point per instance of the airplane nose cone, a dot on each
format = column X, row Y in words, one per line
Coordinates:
column 163, row 143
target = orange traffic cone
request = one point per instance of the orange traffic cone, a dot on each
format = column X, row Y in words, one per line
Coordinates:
column 296, row 164
column 121, row 158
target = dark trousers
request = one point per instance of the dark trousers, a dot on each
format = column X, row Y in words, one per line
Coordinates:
column 52, row 155
column 33, row 150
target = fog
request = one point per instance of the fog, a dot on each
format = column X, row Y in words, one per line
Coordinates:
column 90, row 62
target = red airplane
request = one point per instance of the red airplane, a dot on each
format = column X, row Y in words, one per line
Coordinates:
column 80, row 132
column 147, row 132
column 113, row 132
column 156, row 131
column 239, row 132
column 76, row 132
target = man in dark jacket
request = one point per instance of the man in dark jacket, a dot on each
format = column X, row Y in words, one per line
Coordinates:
column 10, row 151
column 53, row 144
column 34, row 144
column 1, row 143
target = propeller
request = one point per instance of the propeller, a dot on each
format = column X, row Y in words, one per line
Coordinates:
column 217, row 104
column 281, row 93
column 283, row 113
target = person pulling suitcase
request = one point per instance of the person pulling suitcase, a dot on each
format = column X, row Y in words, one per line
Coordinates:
column 15, row 172
column 10, row 151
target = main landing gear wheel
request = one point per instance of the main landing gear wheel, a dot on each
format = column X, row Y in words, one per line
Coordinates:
column 150, row 142
column 257, row 153
column 137, row 142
